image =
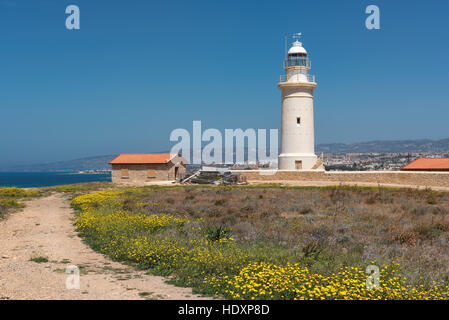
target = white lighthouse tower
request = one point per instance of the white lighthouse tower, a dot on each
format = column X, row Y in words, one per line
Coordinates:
column 297, row 127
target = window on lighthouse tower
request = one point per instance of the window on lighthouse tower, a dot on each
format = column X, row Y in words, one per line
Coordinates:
column 298, row 121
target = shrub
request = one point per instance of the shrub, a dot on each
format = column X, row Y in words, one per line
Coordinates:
column 218, row 233
column 373, row 199
column 407, row 237
column 306, row 210
column 220, row 202
column 312, row 249
column 247, row 209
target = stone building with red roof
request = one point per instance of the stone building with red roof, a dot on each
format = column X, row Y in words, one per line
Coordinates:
column 428, row 164
column 141, row 169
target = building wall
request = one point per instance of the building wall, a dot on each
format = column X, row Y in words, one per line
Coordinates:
column 138, row 173
column 297, row 140
column 406, row 178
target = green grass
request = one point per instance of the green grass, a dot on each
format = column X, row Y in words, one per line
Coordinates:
column 12, row 192
column 12, row 198
column 11, row 203
column 39, row 259
column 80, row 188
column 144, row 294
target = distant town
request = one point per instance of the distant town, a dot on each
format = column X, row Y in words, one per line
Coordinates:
column 352, row 161
column 373, row 161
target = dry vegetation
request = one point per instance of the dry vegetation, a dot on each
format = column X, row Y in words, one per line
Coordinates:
column 328, row 227
column 202, row 235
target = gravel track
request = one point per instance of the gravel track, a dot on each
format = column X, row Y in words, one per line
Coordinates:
column 45, row 229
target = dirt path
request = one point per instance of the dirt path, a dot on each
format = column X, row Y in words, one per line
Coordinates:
column 45, row 228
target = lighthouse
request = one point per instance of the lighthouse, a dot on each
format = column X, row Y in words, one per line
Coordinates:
column 297, row 126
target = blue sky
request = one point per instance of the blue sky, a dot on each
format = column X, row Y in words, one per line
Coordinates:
column 136, row 70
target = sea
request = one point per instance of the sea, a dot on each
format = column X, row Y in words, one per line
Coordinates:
column 47, row 179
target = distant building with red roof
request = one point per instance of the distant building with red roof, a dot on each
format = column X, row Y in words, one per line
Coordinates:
column 139, row 169
column 428, row 164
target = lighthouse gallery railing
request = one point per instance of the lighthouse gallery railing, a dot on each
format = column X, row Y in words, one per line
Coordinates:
column 297, row 78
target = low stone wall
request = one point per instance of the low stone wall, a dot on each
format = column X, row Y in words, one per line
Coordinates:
column 418, row 178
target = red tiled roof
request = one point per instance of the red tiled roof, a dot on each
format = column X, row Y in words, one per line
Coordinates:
column 428, row 164
column 146, row 158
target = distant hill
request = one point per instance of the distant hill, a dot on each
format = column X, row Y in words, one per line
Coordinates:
column 405, row 146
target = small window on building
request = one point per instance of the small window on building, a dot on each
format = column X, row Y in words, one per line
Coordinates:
column 125, row 173
column 298, row 121
column 298, row 164
column 151, row 173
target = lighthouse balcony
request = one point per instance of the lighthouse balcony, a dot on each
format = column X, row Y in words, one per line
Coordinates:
column 297, row 78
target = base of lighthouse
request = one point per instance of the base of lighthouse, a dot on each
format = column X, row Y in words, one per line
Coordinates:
column 299, row 161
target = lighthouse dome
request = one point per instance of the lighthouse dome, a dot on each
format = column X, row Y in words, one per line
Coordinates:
column 297, row 48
